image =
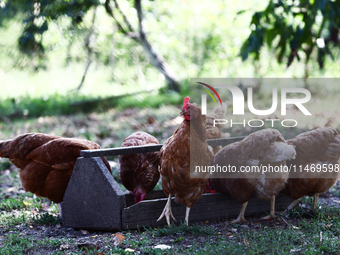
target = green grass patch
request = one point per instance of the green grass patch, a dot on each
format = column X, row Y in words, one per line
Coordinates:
column 16, row 244
column 20, row 203
column 182, row 230
column 4, row 164
column 46, row 219
column 71, row 103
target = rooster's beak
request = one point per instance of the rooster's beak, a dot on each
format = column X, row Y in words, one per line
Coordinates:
column 181, row 113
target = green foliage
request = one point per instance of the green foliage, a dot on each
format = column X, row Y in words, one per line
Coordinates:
column 56, row 104
column 9, row 220
column 20, row 203
column 12, row 204
column 4, row 164
column 33, row 107
column 295, row 29
column 37, row 15
column 16, row 244
column 183, row 230
column 47, row 219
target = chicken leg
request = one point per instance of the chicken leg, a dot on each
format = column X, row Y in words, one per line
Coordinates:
column 271, row 216
column 293, row 204
column 167, row 212
column 60, row 211
column 240, row 217
column 187, row 216
column 315, row 201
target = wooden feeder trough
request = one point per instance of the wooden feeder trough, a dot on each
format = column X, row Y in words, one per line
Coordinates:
column 94, row 200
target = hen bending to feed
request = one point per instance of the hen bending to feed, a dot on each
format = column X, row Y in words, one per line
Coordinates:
column 46, row 162
column 318, row 149
column 178, row 175
column 139, row 172
column 265, row 147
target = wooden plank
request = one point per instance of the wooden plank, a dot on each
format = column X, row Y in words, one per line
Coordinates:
column 120, row 151
column 148, row 148
column 155, row 194
column 224, row 141
column 209, row 207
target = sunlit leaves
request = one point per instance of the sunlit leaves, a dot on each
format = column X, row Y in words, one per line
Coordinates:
column 291, row 29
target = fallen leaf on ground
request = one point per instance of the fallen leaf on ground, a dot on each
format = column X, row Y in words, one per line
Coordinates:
column 118, row 239
column 246, row 243
column 65, row 247
column 162, row 247
column 26, row 203
column 129, row 250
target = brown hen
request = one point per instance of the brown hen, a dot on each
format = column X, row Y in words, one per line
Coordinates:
column 139, row 172
column 178, row 175
column 265, row 147
column 319, row 150
column 46, row 161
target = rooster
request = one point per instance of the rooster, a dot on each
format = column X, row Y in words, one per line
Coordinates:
column 139, row 172
column 46, row 162
column 262, row 148
column 318, row 149
column 178, row 175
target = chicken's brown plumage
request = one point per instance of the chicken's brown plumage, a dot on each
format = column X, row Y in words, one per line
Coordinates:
column 46, row 161
column 313, row 149
column 139, row 172
column 262, row 148
column 175, row 167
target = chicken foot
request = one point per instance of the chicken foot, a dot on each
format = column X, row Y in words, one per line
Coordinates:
column 271, row 216
column 167, row 212
column 240, row 217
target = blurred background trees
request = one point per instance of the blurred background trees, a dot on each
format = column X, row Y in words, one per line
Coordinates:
column 105, row 49
column 297, row 29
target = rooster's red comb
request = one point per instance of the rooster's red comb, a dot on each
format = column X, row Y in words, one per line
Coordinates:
column 186, row 101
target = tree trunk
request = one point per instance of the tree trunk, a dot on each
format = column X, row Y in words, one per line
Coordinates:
column 156, row 59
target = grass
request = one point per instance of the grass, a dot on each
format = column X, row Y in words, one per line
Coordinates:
column 16, row 244
column 300, row 234
column 57, row 104
column 46, row 219
column 20, row 203
column 182, row 230
column 4, row 164
column 26, row 211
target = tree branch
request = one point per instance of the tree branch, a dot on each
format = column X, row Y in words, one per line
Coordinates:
column 140, row 17
column 89, row 45
column 156, row 59
column 128, row 24
column 110, row 12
